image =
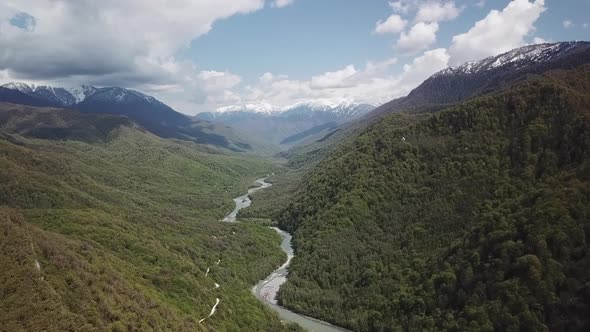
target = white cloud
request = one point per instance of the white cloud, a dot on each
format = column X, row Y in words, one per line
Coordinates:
column 423, row 67
column 282, row 3
column 337, row 79
column 585, row 25
column 393, row 24
column 372, row 84
column 539, row 40
column 106, row 38
column 498, row 32
column 131, row 43
column 434, row 11
column 402, row 6
column 420, row 37
column 213, row 81
column 567, row 24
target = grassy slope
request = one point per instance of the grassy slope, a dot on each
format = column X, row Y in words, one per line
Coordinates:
column 124, row 231
column 476, row 222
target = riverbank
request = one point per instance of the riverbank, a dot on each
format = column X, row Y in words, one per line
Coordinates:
column 266, row 290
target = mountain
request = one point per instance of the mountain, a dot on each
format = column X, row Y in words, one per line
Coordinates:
column 59, row 124
column 107, row 227
column 147, row 111
column 290, row 125
column 475, row 78
column 450, row 86
column 470, row 218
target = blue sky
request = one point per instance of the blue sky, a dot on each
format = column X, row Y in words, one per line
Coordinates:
column 206, row 55
column 314, row 36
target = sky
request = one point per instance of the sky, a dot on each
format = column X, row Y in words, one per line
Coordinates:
column 212, row 55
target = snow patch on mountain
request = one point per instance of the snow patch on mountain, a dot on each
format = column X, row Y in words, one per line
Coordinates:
column 264, row 108
column 516, row 58
column 22, row 87
column 76, row 95
column 344, row 108
column 82, row 92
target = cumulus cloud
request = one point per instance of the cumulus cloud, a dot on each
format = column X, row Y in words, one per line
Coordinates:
column 423, row 67
column 539, row 40
column 213, row 81
column 498, row 32
column 373, row 84
column 370, row 84
column 337, row 79
column 106, row 40
column 422, row 34
column 393, row 24
column 434, row 11
column 567, row 24
column 281, row 3
column 427, row 10
column 402, row 6
column 420, row 37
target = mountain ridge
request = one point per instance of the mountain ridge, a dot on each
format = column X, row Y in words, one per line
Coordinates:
column 147, row 111
column 471, row 79
column 289, row 125
column 471, row 218
column 450, row 86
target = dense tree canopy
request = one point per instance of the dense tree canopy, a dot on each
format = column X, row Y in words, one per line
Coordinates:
column 475, row 218
column 105, row 227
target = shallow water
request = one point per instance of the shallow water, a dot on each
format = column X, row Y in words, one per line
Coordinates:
column 266, row 290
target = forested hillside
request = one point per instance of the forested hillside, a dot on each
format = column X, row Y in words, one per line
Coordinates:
column 105, row 227
column 475, row 218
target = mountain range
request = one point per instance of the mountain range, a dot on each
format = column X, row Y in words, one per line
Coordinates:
column 239, row 128
column 474, row 78
column 460, row 207
column 450, row 86
column 289, row 125
column 147, row 111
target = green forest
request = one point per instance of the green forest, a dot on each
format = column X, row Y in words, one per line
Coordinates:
column 105, row 227
column 475, row 218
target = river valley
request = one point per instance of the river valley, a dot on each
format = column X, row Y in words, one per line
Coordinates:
column 266, row 290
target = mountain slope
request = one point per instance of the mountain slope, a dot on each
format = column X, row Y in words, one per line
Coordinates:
column 115, row 229
column 56, row 123
column 15, row 96
column 474, row 218
column 450, row 86
column 147, row 111
column 471, row 79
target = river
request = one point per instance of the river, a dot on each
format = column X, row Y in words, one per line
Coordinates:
column 266, row 290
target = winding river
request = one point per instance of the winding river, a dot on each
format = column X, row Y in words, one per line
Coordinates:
column 266, row 290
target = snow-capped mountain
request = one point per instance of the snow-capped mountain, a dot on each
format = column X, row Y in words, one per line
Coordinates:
column 57, row 96
column 520, row 57
column 475, row 78
column 145, row 110
column 287, row 125
column 263, row 108
column 343, row 110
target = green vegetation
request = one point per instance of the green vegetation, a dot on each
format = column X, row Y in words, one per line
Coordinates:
column 123, row 226
column 475, row 218
column 267, row 204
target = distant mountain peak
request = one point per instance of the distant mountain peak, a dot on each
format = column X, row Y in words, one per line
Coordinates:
column 314, row 106
column 71, row 96
column 82, row 92
column 264, row 108
column 22, row 87
column 521, row 56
